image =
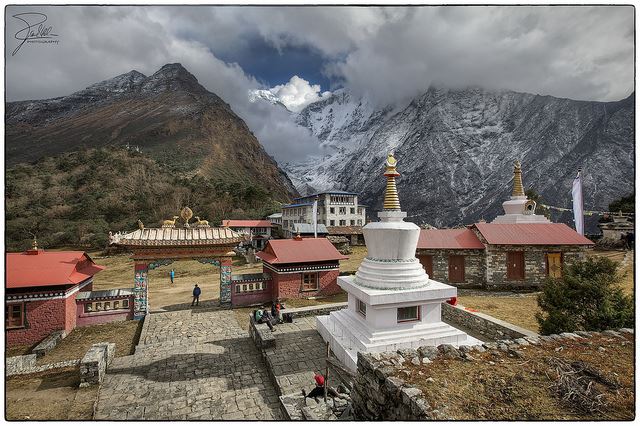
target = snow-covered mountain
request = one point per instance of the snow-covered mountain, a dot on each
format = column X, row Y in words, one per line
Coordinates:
column 265, row 95
column 456, row 150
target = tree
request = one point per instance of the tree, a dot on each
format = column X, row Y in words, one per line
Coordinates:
column 624, row 204
column 587, row 297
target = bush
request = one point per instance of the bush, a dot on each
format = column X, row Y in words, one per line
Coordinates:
column 587, row 297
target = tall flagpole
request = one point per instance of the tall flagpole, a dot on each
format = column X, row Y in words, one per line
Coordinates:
column 314, row 212
column 578, row 203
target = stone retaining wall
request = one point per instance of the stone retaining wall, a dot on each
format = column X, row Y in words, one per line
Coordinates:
column 315, row 310
column 49, row 343
column 95, row 362
column 261, row 334
column 485, row 325
column 26, row 365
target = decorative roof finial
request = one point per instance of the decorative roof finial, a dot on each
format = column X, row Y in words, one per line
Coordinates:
column 34, row 246
column 391, row 200
column 518, row 189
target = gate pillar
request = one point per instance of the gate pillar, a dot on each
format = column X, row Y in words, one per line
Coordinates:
column 141, row 290
column 225, row 282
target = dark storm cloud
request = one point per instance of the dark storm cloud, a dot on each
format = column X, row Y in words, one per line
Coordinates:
column 388, row 54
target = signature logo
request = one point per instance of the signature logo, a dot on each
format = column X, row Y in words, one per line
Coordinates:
column 34, row 31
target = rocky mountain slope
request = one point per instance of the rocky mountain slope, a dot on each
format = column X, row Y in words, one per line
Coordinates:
column 168, row 115
column 456, row 150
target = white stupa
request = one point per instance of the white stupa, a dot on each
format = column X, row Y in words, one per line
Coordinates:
column 518, row 209
column 392, row 302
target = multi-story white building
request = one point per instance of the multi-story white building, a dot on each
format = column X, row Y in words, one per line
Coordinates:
column 335, row 208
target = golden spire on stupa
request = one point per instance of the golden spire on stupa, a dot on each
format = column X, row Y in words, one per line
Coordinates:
column 391, row 200
column 518, row 189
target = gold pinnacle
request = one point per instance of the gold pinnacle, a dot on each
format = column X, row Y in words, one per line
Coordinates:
column 391, row 200
column 518, row 189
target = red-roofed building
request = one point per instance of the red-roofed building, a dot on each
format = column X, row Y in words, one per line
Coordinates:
column 499, row 255
column 41, row 289
column 259, row 230
column 301, row 267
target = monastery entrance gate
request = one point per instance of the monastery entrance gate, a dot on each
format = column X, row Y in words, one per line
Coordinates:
column 155, row 247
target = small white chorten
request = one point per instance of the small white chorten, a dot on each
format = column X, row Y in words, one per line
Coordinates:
column 392, row 302
column 518, row 209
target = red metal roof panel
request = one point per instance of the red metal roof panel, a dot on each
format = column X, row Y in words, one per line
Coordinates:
column 462, row 238
column 47, row 268
column 531, row 234
column 300, row 251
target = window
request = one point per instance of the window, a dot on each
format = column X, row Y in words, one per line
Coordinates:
column 332, row 210
column 343, row 210
column 353, row 210
column 515, row 265
column 410, row 313
column 107, row 306
column 359, row 221
column 88, row 307
column 125, row 304
column 332, row 222
column 14, row 316
column 116, row 304
column 359, row 210
column 98, row 306
column 309, row 281
column 362, row 307
column 353, row 222
column 343, row 223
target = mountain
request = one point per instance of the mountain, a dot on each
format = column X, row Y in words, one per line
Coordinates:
column 168, row 115
column 263, row 95
column 456, row 150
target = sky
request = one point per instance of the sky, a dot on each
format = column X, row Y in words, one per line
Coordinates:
column 387, row 54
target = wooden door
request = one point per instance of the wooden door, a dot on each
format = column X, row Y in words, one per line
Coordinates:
column 554, row 265
column 456, row 269
column 515, row 265
column 427, row 263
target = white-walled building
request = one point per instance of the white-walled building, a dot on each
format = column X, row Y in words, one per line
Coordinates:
column 335, row 208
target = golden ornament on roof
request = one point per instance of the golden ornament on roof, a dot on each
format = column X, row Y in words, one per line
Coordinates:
column 391, row 200
column 186, row 214
column 518, row 189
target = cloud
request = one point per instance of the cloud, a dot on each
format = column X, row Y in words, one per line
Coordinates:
column 298, row 93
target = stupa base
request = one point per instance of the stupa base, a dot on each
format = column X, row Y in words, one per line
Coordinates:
column 347, row 334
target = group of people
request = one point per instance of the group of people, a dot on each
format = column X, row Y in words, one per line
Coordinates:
column 272, row 317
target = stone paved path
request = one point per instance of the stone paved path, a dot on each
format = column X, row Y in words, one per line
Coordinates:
column 189, row 365
column 299, row 352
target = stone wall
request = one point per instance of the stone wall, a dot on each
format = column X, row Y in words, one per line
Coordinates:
column 489, row 327
column 315, row 310
column 27, row 365
column 379, row 395
column 95, row 362
column 260, row 333
column 49, row 343
column 474, row 266
column 42, row 317
column 535, row 264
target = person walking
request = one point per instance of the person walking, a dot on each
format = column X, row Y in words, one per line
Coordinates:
column 196, row 295
column 172, row 275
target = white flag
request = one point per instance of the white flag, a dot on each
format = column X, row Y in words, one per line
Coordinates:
column 578, row 214
column 314, row 213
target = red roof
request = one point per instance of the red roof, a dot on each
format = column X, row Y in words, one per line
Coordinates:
column 247, row 223
column 531, row 234
column 462, row 238
column 303, row 250
column 49, row 268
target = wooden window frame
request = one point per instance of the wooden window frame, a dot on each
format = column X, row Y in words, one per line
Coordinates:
column 90, row 309
column 359, row 307
column 417, row 318
column 304, row 286
column 546, row 261
column 10, row 310
column 524, row 264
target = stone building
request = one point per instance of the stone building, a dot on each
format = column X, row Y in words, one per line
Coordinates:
column 258, row 231
column 301, row 267
column 517, row 250
column 614, row 232
column 353, row 234
column 41, row 290
column 99, row 307
column 335, row 208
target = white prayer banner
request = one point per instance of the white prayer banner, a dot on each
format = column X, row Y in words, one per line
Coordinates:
column 576, row 195
column 314, row 213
